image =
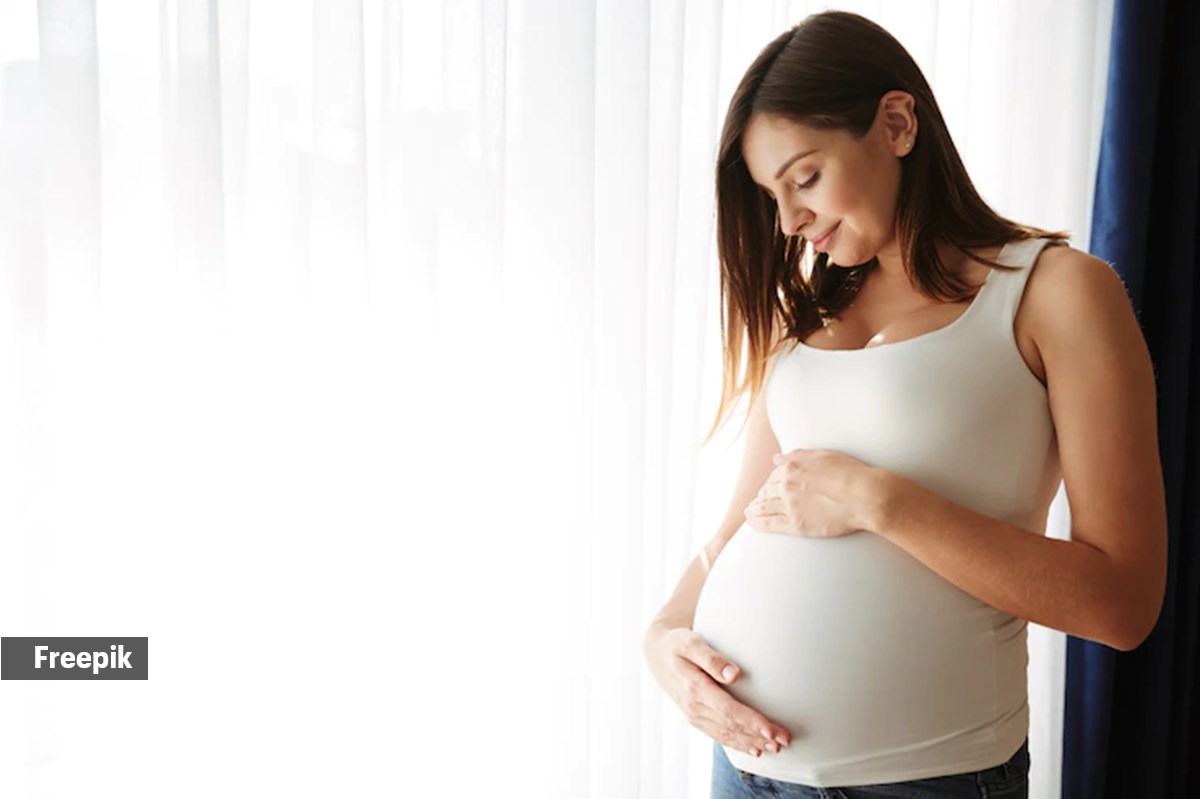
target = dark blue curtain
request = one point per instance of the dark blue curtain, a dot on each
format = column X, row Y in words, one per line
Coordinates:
column 1131, row 726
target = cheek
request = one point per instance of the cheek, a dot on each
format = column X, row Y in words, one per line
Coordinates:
column 839, row 194
column 878, row 188
column 841, row 200
column 860, row 196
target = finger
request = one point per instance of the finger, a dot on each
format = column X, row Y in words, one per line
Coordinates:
column 713, row 703
column 771, row 523
column 732, row 730
column 715, row 670
column 749, row 719
column 767, row 505
column 713, row 664
column 701, row 704
column 776, row 487
column 761, row 514
column 751, row 745
column 710, row 661
column 739, row 726
column 762, row 521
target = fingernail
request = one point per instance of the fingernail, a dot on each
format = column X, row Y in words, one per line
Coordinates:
column 782, row 741
column 728, row 673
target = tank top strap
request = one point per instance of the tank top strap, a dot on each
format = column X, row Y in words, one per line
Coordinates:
column 1006, row 286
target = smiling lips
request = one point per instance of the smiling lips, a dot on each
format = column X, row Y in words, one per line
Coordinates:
column 820, row 244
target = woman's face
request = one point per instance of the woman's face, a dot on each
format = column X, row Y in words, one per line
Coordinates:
column 841, row 183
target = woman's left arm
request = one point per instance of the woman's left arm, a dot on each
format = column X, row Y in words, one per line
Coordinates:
column 1107, row 583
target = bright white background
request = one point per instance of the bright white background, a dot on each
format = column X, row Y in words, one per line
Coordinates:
column 357, row 352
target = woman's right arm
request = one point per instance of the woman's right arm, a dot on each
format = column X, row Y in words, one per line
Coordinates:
column 757, row 465
column 683, row 663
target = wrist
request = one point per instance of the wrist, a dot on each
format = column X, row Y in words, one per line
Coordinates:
column 654, row 633
column 883, row 491
column 659, row 626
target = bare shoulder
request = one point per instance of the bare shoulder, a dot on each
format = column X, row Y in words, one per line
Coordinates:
column 1069, row 289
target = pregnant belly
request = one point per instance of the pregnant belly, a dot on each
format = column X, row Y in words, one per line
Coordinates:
column 850, row 643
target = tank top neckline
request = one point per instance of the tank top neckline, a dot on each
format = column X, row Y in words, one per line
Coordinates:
column 959, row 320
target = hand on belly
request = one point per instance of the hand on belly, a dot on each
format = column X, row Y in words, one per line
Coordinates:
column 843, row 641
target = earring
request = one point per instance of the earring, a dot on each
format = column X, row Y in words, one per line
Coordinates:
column 909, row 143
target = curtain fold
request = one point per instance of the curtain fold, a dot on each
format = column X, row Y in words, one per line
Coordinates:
column 1132, row 720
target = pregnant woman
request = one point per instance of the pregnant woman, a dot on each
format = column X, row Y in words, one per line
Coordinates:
column 918, row 388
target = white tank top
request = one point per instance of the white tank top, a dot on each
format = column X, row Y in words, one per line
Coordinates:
column 882, row 670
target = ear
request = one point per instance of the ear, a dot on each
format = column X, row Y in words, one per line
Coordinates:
column 899, row 120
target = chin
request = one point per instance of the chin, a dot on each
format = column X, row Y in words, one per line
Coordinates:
column 852, row 261
column 840, row 260
column 838, row 255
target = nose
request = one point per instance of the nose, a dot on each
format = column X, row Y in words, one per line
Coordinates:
column 789, row 225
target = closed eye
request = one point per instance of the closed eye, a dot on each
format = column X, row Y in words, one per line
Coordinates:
column 808, row 184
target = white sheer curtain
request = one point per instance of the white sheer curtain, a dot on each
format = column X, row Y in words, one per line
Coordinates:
column 357, row 353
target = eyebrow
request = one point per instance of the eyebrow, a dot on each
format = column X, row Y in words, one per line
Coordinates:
column 791, row 161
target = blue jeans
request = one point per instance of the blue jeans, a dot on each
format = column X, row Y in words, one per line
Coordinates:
column 1006, row 781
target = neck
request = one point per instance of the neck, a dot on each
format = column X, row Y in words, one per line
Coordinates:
column 891, row 267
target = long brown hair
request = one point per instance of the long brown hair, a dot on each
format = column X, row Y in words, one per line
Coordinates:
column 829, row 72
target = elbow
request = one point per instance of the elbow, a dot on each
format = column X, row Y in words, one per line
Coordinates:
column 1126, row 642
column 1135, row 625
column 1139, row 594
